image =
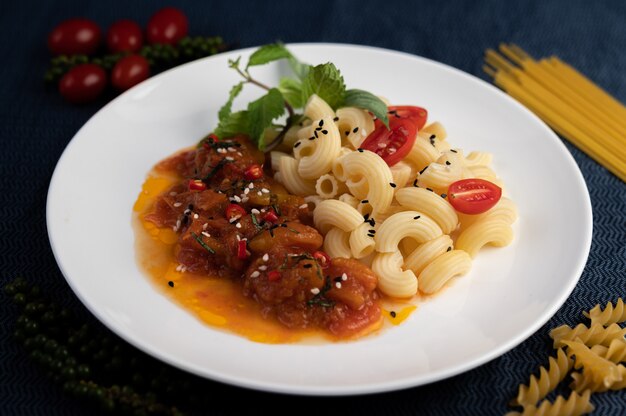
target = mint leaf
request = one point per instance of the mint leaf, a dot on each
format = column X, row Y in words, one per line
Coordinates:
column 233, row 124
column 326, row 81
column 367, row 101
column 292, row 91
column 227, row 108
column 261, row 112
column 268, row 53
column 300, row 69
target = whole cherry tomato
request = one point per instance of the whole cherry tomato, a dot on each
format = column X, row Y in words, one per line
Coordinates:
column 82, row 83
column 124, row 36
column 75, row 36
column 168, row 25
column 129, row 71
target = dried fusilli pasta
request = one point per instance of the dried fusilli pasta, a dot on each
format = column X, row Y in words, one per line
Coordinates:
column 596, row 334
column 610, row 314
column 575, row 405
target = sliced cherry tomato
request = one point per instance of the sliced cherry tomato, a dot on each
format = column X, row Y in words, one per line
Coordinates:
column 168, row 25
column 273, row 276
column 196, row 185
column 75, row 36
column 417, row 114
column 473, row 196
column 130, row 71
column 242, row 252
column 270, row 216
column 253, row 172
column 124, row 36
column 234, row 211
column 83, row 83
column 392, row 144
column 322, row 258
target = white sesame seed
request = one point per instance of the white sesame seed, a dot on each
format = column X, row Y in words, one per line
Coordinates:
column 196, row 216
column 231, row 149
column 238, row 225
column 392, row 150
column 238, row 238
column 239, row 154
column 180, row 266
column 315, row 291
column 251, row 185
column 230, row 159
column 344, row 277
column 266, row 257
column 246, row 191
column 233, row 219
column 382, row 145
column 255, row 211
column 205, row 225
column 178, row 224
column 173, row 193
column 177, row 204
column 265, row 190
column 263, row 268
column 303, row 206
column 338, row 285
column 255, row 274
column 207, row 235
column 244, row 199
column 236, row 198
column 363, row 133
column 221, row 150
column 259, row 193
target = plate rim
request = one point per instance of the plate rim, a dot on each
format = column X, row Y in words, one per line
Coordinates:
column 308, row 390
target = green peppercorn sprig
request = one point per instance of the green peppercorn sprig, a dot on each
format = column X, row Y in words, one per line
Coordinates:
column 91, row 364
column 160, row 56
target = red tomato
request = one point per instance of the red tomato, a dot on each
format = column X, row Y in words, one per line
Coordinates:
column 322, row 258
column 129, row 71
column 83, row 83
column 473, row 196
column 168, row 25
column 124, row 36
column 74, row 36
column 417, row 114
column 392, row 144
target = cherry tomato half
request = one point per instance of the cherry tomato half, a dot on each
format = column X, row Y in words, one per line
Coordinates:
column 417, row 114
column 83, row 83
column 75, row 36
column 392, row 144
column 130, row 71
column 124, row 36
column 168, row 25
column 473, row 196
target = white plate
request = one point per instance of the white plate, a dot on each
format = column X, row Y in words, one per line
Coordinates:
column 507, row 296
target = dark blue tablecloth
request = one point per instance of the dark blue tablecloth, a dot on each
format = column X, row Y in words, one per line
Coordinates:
column 35, row 126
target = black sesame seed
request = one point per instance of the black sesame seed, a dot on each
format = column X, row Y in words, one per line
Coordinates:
column 432, row 140
column 393, row 185
column 354, row 130
column 316, row 136
column 347, row 132
column 372, row 231
column 448, row 162
column 307, row 266
column 170, row 283
column 372, row 222
column 297, row 144
column 366, row 217
column 318, row 128
column 190, row 207
column 417, row 217
column 360, row 150
column 433, row 137
column 415, row 183
column 312, row 138
column 338, row 279
column 336, row 119
column 365, row 201
column 324, row 131
column 321, row 123
column 392, row 314
column 449, row 249
column 283, row 225
column 428, row 189
column 453, row 151
column 443, row 195
column 371, row 235
column 422, row 171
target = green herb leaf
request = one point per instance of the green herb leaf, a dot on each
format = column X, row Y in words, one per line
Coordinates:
column 261, row 112
column 292, row 91
column 299, row 68
column 326, row 81
column 227, row 108
column 234, row 64
column 202, row 243
column 268, row 53
column 235, row 123
column 367, row 101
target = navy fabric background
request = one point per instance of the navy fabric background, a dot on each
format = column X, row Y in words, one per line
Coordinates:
column 35, row 127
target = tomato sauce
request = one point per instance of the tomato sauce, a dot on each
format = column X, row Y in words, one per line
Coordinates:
column 230, row 244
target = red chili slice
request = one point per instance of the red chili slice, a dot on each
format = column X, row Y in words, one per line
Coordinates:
column 270, row 216
column 234, row 211
column 196, row 185
column 242, row 252
column 322, row 258
column 273, row 276
column 253, row 172
column 392, row 144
